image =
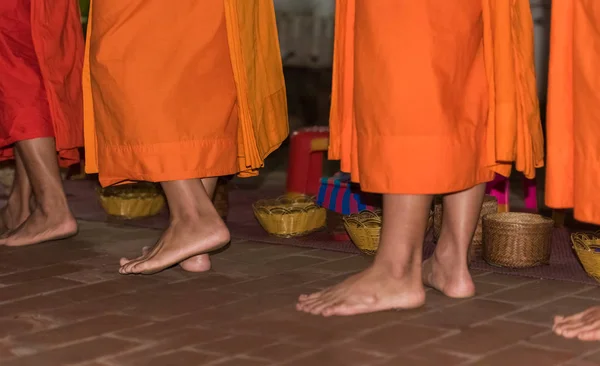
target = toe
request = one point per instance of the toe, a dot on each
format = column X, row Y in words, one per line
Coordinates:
column 589, row 336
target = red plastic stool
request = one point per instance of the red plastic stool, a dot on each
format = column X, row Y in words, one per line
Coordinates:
column 305, row 165
column 500, row 188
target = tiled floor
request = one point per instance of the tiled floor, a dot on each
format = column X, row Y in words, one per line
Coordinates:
column 65, row 304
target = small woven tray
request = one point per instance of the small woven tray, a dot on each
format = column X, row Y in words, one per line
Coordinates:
column 290, row 216
column 517, row 240
column 364, row 229
column 587, row 247
column 490, row 206
column 131, row 201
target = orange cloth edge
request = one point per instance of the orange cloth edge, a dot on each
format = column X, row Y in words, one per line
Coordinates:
column 261, row 99
column 514, row 125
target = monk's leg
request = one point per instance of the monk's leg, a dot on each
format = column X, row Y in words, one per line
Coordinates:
column 393, row 281
column 18, row 204
column 447, row 270
column 584, row 326
column 51, row 217
column 198, row 263
column 195, row 228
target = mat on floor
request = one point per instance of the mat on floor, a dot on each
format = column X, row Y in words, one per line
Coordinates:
column 564, row 264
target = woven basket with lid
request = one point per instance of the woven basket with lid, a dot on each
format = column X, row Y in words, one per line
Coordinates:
column 517, row 240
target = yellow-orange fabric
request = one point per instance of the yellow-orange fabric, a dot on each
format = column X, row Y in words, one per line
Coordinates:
column 573, row 112
column 182, row 90
column 434, row 96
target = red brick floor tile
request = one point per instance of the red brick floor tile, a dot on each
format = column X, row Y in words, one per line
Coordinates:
column 592, row 357
column 544, row 314
column 464, row 314
column 85, row 329
column 427, row 355
column 549, row 339
column 182, row 338
column 523, row 355
column 338, row 356
column 237, row 344
column 74, row 353
column 10, row 327
column 39, row 273
column 241, row 361
column 592, row 293
column 502, row 279
column 345, row 265
column 484, row 338
column 178, row 357
column 389, row 339
column 278, row 352
column 33, row 288
column 537, row 292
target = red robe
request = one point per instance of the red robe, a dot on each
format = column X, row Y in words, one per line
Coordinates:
column 41, row 60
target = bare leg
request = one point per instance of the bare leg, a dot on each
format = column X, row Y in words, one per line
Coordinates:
column 18, row 206
column 201, row 263
column 447, row 270
column 584, row 326
column 51, row 218
column 195, row 229
column 394, row 279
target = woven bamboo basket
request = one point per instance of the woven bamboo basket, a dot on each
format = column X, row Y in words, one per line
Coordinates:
column 131, row 201
column 364, row 229
column 489, row 206
column 290, row 216
column 221, row 198
column 517, row 240
column 587, row 247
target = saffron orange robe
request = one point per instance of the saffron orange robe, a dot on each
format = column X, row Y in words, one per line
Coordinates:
column 41, row 58
column 434, row 96
column 573, row 112
column 182, row 90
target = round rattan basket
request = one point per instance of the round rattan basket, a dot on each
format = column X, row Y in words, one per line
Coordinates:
column 364, row 229
column 517, row 240
column 587, row 247
column 489, row 206
column 131, row 201
column 290, row 216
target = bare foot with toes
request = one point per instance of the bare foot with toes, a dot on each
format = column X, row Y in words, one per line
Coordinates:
column 584, row 326
column 197, row 264
column 369, row 291
column 186, row 243
column 41, row 227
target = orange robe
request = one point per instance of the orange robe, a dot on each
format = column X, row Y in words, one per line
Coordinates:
column 41, row 57
column 433, row 96
column 573, row 112
column 182, row 90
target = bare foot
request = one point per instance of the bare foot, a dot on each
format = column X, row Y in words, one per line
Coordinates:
column 447, row 277
column 41, row 227
column 584, row 326
column 198, row 263
column 12, row 216
column 181, row 241
column 374, row 289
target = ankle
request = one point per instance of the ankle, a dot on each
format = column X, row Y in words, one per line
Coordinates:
column 398, row 269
